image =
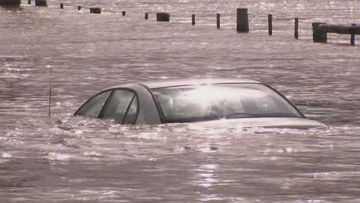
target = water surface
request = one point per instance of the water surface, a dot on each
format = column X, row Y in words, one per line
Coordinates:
column 66, row 159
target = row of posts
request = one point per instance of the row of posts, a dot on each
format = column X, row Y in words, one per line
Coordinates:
column 242, row 22
column 296, row 26
column 242, row 15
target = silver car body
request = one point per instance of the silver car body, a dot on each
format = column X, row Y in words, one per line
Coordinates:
column 148, row 111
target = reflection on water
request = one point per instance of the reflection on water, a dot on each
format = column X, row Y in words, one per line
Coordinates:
column 70, row 159
column 77, row 159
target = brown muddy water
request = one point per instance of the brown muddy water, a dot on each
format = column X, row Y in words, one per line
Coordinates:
column 66, row 159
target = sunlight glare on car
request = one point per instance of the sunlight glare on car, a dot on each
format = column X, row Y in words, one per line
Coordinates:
column 207, row 94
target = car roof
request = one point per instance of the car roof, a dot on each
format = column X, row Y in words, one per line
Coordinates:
column 183, row 82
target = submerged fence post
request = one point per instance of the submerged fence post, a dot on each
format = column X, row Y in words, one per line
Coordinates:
column 40, row 3
column 270, row 24
column 193, row 19
column 146, row 16
column 319, row 35
column 50, row 87
column 123, row 13
column 242, row 21
column 29, row 1
column 79, row 8
column 296, row 28
column 61, row 6
column 10, row 2
column 96, row 10
column 162, row 17
column 352, row 38
column 218, row 20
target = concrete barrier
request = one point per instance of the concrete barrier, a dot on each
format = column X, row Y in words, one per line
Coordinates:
column 40, row 3
column 10, row 2
column 242, row 21
column 319, row 35
column 163, row 17
column 95, row 10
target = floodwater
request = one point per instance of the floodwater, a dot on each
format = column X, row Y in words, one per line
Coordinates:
column 66, row 159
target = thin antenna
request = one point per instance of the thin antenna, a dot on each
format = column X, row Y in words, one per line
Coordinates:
column 50, row 83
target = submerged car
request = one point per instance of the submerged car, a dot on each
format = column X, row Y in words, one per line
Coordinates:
column 241, row 102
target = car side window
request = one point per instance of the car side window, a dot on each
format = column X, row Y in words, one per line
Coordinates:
column 92, row 107
column 119, row 105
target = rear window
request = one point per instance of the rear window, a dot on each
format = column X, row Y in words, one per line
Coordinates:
column 93, row 106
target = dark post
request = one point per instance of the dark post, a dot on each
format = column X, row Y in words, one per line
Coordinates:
column 218, row 20
column 50, row 94
column 319, row 35
column 29, row 1
column 296, row 28
column 242, row 22
column 123, row 13
column 146, row 16
column 193, row 19
column 270, row 24
column 163, row 17
column 79, row 8
column 10, row 3
column 352, row 39
column 95, row 10
column 61, row 6
column 40, row 3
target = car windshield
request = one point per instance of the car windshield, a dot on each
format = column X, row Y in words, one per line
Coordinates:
column 220, row 101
